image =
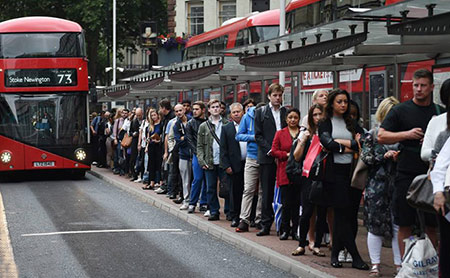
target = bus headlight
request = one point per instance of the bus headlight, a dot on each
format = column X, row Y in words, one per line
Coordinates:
column 80, row 154
column 6, row 157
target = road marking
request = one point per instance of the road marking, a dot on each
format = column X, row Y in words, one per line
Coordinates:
column 102, row 231
column 8, row 266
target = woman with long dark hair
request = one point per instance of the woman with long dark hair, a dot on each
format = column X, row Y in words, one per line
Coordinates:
column 315, row 114
column 340, row 134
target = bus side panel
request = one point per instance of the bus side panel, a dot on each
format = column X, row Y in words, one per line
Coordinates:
column 70, row 164
column 17, row 154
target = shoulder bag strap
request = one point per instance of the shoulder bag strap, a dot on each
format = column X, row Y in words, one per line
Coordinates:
column 213, row 133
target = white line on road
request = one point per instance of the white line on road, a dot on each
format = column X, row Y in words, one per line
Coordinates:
column 102, row 231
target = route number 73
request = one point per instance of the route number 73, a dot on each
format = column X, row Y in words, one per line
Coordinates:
column 65, row 78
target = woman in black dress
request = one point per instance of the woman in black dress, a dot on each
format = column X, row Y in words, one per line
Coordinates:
column 340, row 135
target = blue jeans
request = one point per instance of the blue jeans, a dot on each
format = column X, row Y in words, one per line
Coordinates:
column 212, row 177
column 198, row 184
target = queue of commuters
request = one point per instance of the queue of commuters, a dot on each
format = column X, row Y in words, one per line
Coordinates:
column 195, row 152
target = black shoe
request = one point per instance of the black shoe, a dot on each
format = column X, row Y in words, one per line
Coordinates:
column 263, row 232
column 295, row 236
column 172, row 197
column 242, row 227
column 360, row 265
column 234, row 223
column 213, row 217
column 336, row 264
column 179, row 200
column 229, row 218
column 284, row 236
column 116, row 172
column 259, row 226
column 253, row 224
column 203, row 208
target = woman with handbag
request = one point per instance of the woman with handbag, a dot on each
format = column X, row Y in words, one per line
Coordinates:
column 154, row 149
column 339, row 134
column 290, row 193
column 314, row 116
column 377, row 198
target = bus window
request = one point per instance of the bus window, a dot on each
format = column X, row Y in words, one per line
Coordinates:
column 219, row 44
column 344, row 5
column 242, row 37
column 263, row 33
column 306, row 17
column 18, row 45
column 201, row 50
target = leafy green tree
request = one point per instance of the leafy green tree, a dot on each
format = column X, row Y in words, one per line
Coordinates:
column 95, row 16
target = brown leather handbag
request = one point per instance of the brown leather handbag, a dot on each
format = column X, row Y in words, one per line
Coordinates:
column 126, row 141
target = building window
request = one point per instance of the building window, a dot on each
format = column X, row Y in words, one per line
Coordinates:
column 195, row 19
column 227, row 11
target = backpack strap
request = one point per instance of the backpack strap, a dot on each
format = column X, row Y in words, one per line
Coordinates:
column 213, row 133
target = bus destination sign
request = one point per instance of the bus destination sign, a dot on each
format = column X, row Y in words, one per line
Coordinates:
column 40, row 77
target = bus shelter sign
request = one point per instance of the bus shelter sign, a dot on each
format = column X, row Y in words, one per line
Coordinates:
column 40, row 78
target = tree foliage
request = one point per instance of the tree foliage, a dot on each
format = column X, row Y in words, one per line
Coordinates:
column 95, row 16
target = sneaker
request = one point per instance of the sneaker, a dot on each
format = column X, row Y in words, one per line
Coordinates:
column 184, row 207
column 191, row 209
column 207, row 214
column 159, row 190
column 342, row 256
column 348, row 258
column 203, row 208
column 138, row 180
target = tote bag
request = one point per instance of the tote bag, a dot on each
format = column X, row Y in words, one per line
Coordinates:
column 314, row 150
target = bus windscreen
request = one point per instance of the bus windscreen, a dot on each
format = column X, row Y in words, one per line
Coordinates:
column 41, row 45
column 44, row 120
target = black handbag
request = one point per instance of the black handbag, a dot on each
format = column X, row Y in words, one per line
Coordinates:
column 420, row 194
column 225, row 186
column 293, row 167
column 317, row 172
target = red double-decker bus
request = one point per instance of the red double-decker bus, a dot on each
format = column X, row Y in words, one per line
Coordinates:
column 44, row 116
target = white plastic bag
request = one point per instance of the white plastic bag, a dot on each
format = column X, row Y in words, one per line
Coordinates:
column 420, row 259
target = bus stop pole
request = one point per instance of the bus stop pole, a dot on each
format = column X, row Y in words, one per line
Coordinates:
column 282, row 74
column 114, row 43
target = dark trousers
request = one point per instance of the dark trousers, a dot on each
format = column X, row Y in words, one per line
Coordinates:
column 94, row 142
column 355, row 199
column 267, row 176
column 174, row 185
column 290, row 200
column 237, row 189
column 154, row 162
column 307, row 212
column 101, row 150
column 133, row 157
column 444, row 247
column 343, row 236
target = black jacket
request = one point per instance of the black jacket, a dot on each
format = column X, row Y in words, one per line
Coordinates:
column 327, row 141
column 265, row 130
column 191, row 133
column 230, row 150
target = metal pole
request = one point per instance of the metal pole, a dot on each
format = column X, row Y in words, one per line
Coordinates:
column 282, row 74
column 114, row 43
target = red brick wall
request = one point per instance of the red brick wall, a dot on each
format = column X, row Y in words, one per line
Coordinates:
column 171, row 16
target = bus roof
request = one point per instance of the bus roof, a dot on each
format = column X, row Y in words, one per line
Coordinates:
column 36, row 24
column 267, row 18
column 295, row 4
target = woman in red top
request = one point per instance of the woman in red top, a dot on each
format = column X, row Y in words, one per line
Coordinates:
column 290, row 193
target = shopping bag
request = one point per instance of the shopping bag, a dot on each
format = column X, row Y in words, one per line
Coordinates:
column 420, row 259
column 314, row 150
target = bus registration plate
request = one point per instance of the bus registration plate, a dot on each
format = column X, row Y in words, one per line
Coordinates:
column 44, row 164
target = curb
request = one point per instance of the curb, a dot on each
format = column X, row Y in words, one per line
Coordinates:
column 254, row 249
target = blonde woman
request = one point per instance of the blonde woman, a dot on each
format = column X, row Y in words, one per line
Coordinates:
column 377, row 201
column 154, row 149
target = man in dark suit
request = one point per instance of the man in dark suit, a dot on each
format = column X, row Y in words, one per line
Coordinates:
column 268, row 120
column 232, row 160
column 134, row 132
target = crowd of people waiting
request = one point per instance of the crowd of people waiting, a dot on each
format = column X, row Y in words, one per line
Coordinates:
column 196, row 152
